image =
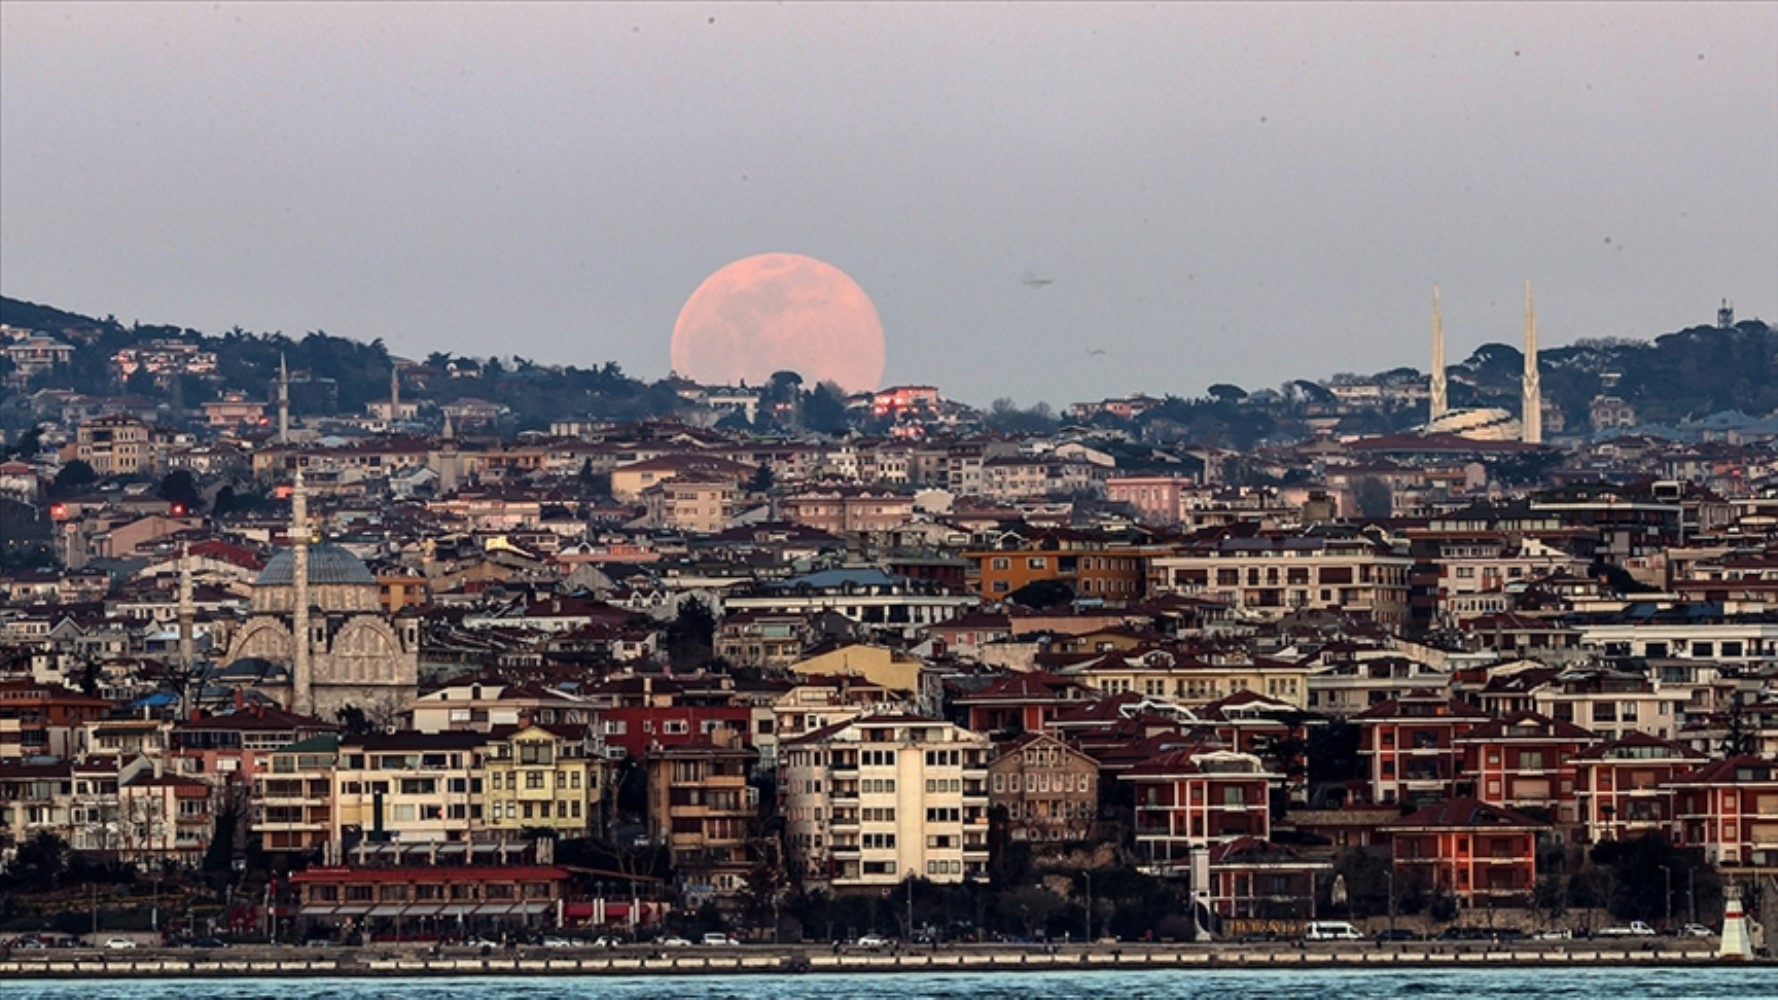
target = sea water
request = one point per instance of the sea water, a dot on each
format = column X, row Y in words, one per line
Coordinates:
column 1714, row 983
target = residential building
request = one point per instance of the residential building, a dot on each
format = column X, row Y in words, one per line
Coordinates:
column 1042, row 789
column 543, row 777
column 1525, row 763
column 408, row 787
column 1190, row 798
column 1729, row 808
column 1483, row 856
column 880, row 799
column 1623, row 788
column 1410, row 745
column 701, row 808
column 1273, row 575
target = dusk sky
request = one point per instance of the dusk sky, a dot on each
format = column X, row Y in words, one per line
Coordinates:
column 1236, row 193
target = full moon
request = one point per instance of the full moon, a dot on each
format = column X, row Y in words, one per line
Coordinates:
column 779, row 312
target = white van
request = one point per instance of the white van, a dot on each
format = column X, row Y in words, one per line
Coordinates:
column 1331, row 930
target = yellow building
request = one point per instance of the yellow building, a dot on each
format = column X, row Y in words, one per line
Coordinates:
column 543, row 776
column 1158, row 673
column 879, row 665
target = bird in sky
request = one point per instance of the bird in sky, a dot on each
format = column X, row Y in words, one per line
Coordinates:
column 1031, row 280
column 1098, row 352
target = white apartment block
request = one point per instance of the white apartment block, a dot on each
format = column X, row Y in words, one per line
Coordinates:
column 1271, row 576
column 876, row 800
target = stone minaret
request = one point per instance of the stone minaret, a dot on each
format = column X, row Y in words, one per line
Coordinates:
column 283, row 402
column 1440, row 399
column 302, row 697
column 187, row 613
column 1531, row 415
column 394, row 390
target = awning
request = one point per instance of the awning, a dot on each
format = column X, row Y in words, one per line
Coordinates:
column 318, row 911
column 387, row 911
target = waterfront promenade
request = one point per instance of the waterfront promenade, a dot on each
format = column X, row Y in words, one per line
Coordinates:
column 375, row 961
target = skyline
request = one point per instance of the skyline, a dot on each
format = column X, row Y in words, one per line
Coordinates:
column 555, row 182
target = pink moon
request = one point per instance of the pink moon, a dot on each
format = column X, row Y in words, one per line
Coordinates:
column 779, row 312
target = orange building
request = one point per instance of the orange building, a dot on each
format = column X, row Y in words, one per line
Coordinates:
column 1089, row 565
column 1478, row 853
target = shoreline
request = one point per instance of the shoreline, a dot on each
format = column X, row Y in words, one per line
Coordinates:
column 373, row 962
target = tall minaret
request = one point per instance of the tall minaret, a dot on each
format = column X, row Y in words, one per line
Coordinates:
column 283, row 402
column 1531, row 410
column 187, row 613
column 1440, row 401
column 394, row 391
column 302, row 698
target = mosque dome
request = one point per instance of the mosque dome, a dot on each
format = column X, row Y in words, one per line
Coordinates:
column 1479, row 424
column 328, row 564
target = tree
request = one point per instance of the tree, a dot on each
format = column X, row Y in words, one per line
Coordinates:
column 181, row 490
column 1222, row 392
column 691, row 638
column 761, row 480
column 73, row 477
column 825, row 410
column 1373, row 497
column 1043, row 594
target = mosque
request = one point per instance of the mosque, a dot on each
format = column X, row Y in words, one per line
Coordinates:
column 318, row 632
column 1487, row 423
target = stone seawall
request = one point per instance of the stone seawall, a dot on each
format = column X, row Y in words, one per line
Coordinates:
column 770, row 959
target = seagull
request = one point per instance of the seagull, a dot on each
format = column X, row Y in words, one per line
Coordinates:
column 1033, row 281
column 1097, row 352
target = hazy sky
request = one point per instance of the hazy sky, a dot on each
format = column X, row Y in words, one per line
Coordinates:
column 1234, row 193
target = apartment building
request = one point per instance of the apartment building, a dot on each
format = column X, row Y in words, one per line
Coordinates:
column 1193, row 797
column 876, row 800
column 408, row 787
column 1623, row 788
column 543, row 776
column 1730, row 809
column 1410, row 745
column 1273, row 575
column 1045, row 789
column 1525, row 763
column 293, row 796
column 701, row 808
column 115, row 446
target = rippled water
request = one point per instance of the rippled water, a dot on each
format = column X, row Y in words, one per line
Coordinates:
column 1727, row 983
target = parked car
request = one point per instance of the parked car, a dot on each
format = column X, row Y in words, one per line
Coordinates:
column 673, row 941
column 1331, row 930
column 1635, row 928
column 872, row 941
column 551, row 941
column 717, row 939
column 1555, row 934
column 602, row 941
column 209, row 942
column 1398, row 934
column 1696, row 930
column 119, row 942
